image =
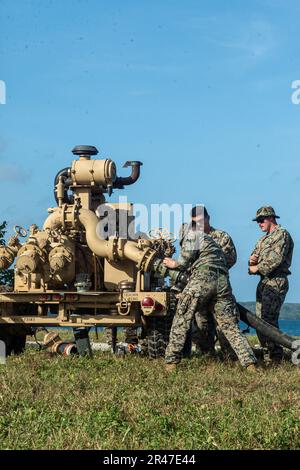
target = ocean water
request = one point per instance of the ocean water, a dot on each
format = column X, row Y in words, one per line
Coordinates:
column 291, row 327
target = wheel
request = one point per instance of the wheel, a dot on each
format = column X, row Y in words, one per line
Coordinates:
column 14, row 341
column 20, row 231
column 18, row 343
column 6, row 338
column 158, row 332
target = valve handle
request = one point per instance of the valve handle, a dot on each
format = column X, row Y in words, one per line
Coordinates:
column 162, row 234
column 20, row 231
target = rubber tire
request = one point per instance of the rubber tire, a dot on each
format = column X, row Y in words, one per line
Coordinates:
column 15, row 343
column 6, row 337
column 158, row 332
column 18, row 344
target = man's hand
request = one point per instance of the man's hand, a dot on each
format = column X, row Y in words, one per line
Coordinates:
column 170, row 263
column 253, row 269
column 253, row 260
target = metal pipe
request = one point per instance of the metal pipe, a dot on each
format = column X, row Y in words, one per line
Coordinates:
column 113, row 248
column 128, row 180
column 64, row 175
column 89, row 220
column 54, row 220
column 65, row 349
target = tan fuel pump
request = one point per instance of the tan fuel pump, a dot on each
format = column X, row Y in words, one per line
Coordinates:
column 85, row 266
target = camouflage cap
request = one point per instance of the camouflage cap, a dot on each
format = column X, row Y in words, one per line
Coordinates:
column 265, row 211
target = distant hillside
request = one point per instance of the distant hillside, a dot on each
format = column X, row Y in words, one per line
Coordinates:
column 289, row 311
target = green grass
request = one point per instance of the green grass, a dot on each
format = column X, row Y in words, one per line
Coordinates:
column 108, row 403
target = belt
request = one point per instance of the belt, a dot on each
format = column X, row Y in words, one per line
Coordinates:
column 274, row 276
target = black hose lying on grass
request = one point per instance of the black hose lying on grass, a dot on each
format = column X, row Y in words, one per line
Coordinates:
column 267, row 330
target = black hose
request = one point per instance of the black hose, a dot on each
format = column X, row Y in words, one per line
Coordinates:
column 272, row 333
column 265, row 328
column 64, row 173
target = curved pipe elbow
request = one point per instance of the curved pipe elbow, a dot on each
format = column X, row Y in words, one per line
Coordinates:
column 132, row 252
column 64, row 173
column 89, row 220
column 110, row 249
column 53, row 221
column 135, row 174
column 122, row 249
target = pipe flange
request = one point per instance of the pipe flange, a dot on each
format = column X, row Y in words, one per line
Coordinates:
column 146, row 262
column 113, row 252
column 110, row 172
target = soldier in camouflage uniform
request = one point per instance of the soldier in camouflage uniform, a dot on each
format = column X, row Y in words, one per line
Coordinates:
column 208, row 284
column 271, row 259
column 205, row 331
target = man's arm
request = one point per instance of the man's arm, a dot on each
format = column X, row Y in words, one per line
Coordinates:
column 275, row 254
column 254, row 257
column 189, row 253
column 229, row 250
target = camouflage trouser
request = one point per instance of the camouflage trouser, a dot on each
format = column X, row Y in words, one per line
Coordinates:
column 270, row 296
column 108, row 333
column 205, row 332
column 208, row 287
column 130, row 334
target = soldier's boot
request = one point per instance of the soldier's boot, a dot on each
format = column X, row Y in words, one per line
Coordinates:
column 275, row 354
column 108, row 335
column 130, row 335
column 204, row 340
column 144, row 346
column 269, row 358
column 170, row 367
column 227, row 353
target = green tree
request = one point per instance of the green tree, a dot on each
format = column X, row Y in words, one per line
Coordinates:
column 6, row 275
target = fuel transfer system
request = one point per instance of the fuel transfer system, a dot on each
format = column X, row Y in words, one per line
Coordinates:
column 86, row 267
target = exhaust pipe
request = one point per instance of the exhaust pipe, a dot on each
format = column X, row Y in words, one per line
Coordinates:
column 127, row 181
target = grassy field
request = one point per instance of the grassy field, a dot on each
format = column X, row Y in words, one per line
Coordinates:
column 109, row 403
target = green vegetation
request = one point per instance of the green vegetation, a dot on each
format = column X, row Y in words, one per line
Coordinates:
column 289, row 311
column 109, row 403
column 6, row 275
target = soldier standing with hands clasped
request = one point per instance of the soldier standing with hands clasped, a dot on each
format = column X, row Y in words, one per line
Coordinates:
column 271, row 259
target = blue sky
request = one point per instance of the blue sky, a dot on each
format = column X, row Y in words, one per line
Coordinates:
column 200, row 91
